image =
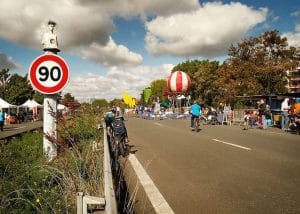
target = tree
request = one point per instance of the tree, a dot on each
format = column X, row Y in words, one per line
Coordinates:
column 67, row 98
column 257, row 66
column 158, row 89
column 204, row 81
column 4, row 78
column 100, row 103
column 17, row 90
column 117, row 102
column 37, row 96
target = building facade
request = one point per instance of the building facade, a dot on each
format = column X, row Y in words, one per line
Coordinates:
column 294, row 80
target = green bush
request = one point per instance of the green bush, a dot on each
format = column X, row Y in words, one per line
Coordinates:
column 30, row 184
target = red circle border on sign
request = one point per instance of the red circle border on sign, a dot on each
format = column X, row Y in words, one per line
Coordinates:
column 33, row 78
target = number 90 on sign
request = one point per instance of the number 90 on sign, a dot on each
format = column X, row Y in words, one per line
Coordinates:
column 49, row 74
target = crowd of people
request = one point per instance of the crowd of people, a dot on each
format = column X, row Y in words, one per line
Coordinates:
column 260, row 116
column 289, row 117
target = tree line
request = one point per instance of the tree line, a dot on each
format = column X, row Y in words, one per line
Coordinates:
column 254, row 66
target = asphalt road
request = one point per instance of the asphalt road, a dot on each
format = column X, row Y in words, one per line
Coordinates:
column 220, row 169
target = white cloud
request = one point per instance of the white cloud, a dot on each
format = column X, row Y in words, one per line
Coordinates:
column 209, row 31
column 296, row 13
column 130, row 8
column 81, row 24
column 293, row 37
column 7, row 62
column 111, row 54
column 116, row 82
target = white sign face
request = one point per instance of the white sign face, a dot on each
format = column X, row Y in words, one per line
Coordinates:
column 49, row 74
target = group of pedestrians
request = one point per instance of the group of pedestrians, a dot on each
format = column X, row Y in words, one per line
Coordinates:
column 262, row 117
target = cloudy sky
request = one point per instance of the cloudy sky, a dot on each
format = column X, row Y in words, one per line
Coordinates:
column 122, row 45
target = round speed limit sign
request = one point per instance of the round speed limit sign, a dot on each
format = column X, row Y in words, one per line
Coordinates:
column 49, row 74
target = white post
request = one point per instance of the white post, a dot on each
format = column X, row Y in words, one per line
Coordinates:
column 50, row 46
column 49, row 126
column 79, row 202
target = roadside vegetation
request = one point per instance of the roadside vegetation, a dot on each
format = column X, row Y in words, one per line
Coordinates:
column 30, row 184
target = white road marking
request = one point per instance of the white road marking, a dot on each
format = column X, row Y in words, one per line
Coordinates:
column 158, row 202
column 158, row 124
column 231, row 144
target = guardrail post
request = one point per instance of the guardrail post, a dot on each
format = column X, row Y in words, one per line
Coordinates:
column 79, row 202
column 84, row 200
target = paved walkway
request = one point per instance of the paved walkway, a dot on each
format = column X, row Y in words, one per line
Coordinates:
column 11, row 130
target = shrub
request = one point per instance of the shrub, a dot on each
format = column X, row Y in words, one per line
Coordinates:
column 30, row 184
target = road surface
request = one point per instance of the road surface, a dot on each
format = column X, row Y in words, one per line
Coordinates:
column 220, row 169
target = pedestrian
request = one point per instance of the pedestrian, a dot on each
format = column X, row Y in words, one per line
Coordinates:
column 246, row 119
column 230, row 117
column 284, row 114
column 195, row 110
column 268, row 116
column 1, row 120
column 226, row 110
column 262, row 113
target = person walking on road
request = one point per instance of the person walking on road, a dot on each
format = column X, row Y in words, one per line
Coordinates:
column 195, row 110
column 1, row 120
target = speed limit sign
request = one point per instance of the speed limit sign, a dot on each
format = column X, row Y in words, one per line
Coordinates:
column 49, row 74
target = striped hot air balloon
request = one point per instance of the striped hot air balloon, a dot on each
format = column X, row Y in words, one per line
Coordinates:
column 178, row 82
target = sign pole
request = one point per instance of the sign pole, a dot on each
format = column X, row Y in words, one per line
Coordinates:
column 49, row 127
column 50, row 46
column 49, row 74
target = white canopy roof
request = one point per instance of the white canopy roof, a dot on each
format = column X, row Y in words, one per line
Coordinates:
column 31, row 104
column 179, row 97
column 61, row 107
column 4, row 104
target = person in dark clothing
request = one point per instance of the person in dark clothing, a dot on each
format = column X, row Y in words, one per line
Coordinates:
column 262, row 113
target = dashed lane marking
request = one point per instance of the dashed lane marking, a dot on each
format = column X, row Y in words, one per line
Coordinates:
column 231, row 144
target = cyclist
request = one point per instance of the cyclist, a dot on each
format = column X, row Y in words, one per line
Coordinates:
column 109, row 117
column 195, row 110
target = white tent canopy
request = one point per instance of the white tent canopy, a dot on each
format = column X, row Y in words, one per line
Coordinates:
column 31, row 104
column 61, row 107
column 180, row 97
column 4, row 104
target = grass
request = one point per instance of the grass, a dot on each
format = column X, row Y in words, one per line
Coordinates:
column 31, row 184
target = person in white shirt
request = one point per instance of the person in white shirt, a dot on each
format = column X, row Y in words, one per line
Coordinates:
column 285, row 114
